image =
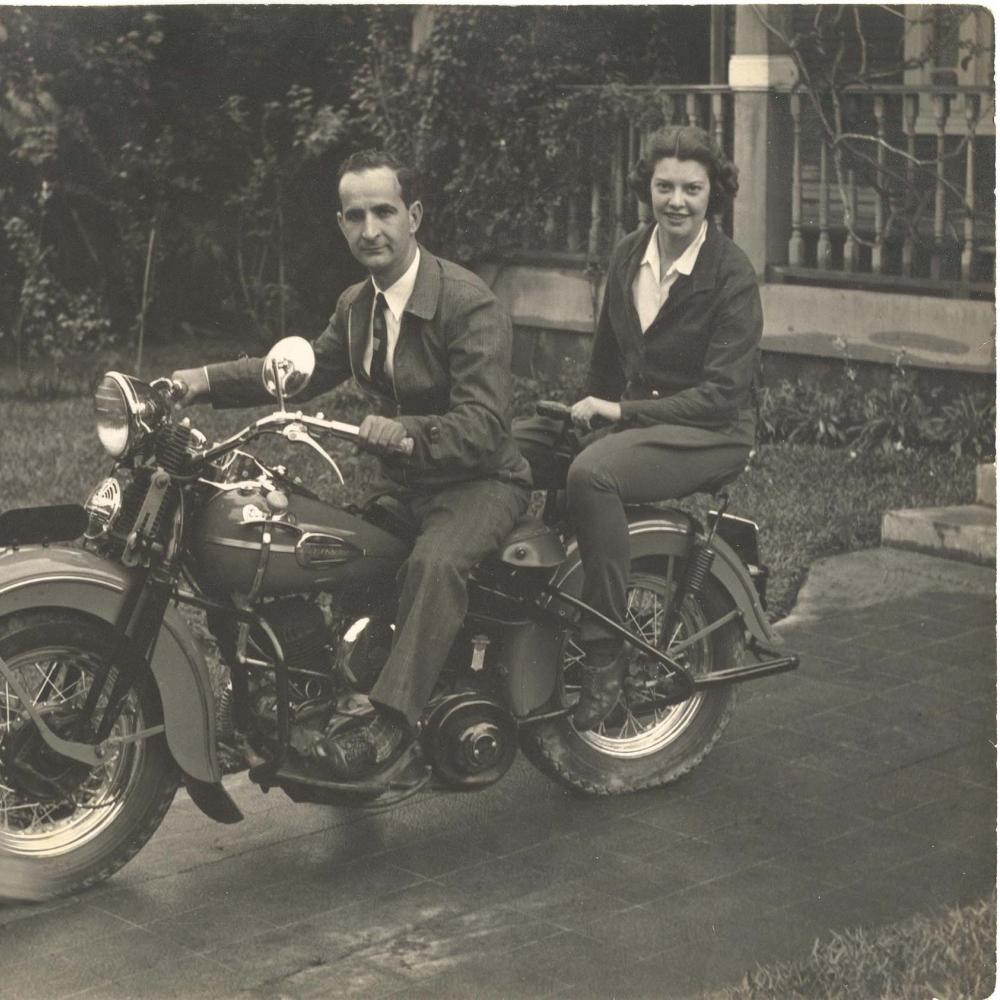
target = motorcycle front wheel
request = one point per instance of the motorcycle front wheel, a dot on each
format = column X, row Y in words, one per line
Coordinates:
column 65, row 826
column 645, row 742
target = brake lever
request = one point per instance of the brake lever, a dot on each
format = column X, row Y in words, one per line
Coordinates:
column 297, row 433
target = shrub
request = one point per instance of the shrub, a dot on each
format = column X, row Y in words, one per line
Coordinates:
column 967, row 425
column 891, row 418
column 801, row 412
column 57, row 334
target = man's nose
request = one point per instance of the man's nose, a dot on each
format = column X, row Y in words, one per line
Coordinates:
column 369, row 230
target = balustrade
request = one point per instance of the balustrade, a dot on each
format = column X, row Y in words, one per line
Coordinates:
column 600, row 210
column 890, row 200
column 902, row 198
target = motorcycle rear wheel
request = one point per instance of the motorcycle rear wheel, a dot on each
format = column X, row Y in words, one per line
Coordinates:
column 643, row 745
column 56, row 842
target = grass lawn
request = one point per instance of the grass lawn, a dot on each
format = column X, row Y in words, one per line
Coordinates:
column 947, row 956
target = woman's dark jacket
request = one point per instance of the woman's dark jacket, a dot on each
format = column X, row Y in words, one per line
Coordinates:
column 694, row 368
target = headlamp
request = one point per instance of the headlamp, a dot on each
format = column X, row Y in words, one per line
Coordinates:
column 126, row 411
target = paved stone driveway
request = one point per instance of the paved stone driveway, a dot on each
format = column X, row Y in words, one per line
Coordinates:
column 859, row 790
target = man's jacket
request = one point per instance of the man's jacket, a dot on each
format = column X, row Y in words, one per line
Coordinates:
column 451, row 376
column 692, row 371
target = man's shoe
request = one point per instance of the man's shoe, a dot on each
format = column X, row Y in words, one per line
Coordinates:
column 601, row 683
column 362, row 749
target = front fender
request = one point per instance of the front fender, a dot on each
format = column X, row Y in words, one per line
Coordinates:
column 654, row 532
column 60, row 577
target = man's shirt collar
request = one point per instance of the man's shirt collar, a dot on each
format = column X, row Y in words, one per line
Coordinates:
column 398, row 294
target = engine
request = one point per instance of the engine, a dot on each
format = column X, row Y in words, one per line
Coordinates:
column 468, row 738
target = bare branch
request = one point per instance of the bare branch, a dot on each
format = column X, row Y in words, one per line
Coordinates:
column 863, row 68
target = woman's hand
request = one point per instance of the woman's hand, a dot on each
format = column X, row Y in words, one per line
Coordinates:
column 584, row 412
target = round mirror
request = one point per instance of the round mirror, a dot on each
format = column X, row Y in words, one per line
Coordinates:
column 288, row 367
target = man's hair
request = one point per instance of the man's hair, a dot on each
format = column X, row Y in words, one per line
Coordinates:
column 687, row 142
column 373, row 159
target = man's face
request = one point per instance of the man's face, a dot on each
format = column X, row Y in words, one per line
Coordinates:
column 379, row 228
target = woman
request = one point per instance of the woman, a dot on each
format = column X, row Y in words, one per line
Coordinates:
column 672, row 369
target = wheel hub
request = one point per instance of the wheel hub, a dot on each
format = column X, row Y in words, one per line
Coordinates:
column 34, row 769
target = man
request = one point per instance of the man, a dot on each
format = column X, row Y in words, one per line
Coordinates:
column 431, row 339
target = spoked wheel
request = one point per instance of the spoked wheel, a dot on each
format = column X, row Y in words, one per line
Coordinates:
column 65, row 825
column 650, row 738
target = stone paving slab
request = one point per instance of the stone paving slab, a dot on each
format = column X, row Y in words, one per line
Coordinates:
column 860, row 790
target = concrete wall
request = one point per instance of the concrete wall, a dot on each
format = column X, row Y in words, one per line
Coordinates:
column 554, row 310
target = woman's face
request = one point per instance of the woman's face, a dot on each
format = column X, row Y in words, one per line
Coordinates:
column 679, row 192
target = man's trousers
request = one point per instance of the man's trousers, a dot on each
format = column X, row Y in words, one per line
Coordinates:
column 459, row 526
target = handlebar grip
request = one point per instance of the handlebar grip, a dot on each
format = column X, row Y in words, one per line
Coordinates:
column 550, row 408
column 173, row 388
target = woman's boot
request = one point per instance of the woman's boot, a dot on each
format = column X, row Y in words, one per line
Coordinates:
column 601, row 684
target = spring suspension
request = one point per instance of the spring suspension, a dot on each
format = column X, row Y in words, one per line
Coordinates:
column 224, row 724
column 698, row 567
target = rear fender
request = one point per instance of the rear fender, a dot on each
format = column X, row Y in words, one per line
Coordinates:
column 654, row 532
column 60, row 577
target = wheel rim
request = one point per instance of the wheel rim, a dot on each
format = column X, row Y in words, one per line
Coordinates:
column 638, row 726
column 57, row 679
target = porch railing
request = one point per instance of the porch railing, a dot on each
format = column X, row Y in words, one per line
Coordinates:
column 915, row 211
column 600, row 210
column 913, row 207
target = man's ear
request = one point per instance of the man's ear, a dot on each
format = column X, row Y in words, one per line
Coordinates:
column 340, row 222
column 416, row 213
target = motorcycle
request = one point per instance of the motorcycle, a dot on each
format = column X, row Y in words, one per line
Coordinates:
column 107, row 702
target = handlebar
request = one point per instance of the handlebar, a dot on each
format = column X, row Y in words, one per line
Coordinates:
column 173, row 389
column 550, row 408
column 560, row 411
column 286, row 422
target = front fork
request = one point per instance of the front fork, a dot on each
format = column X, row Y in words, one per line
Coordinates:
column 141, row 615
column 134, row 634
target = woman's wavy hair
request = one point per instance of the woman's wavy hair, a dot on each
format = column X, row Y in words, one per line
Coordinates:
column 687, row 142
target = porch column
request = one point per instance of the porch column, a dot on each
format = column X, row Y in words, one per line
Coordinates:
column 760, row 74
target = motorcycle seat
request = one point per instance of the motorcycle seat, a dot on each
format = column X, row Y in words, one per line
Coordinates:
column 717, row 484
column 529, row 544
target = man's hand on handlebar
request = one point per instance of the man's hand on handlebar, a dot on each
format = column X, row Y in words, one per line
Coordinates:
column 384, row 435
column 592, row 412
column 191, row 386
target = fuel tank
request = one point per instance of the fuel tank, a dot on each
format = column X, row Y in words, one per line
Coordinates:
column 314, row 545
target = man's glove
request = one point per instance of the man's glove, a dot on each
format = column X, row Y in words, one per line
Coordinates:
column 195, row 383
column 381, row 434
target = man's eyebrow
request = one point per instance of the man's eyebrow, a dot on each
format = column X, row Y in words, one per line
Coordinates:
column 379, row 207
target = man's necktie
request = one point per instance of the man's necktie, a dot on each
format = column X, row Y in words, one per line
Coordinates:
column 380, row 346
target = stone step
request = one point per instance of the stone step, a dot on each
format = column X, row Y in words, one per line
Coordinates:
column 986, row 484
column 968, row 532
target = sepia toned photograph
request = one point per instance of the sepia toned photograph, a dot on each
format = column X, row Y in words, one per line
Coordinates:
column 498, row 501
